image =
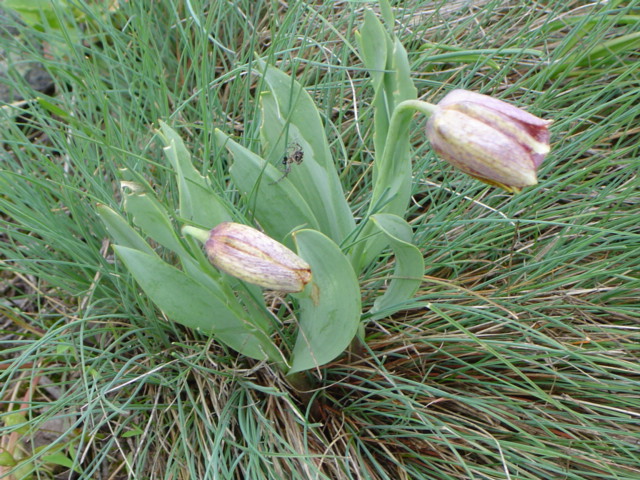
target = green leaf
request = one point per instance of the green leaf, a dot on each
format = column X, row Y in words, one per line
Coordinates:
column 135, row 431
column 374, row 43
column 6, row 459
column 289, row 115
column 330, row 314
column 199, row 203
column 188, row 302
column 277, row 205
column 409, row 269
column 58, row 17
column 392, row 177
column 151, row 217
column 121, row 232
column 392, row 168
column 60, row 459
column 34, row 5
column 388, row 64
column 15, row 419
column 403, row 86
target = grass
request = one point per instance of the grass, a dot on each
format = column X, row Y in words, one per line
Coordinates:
column 518, row 358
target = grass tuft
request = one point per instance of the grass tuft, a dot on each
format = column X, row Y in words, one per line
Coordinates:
column 517, row 359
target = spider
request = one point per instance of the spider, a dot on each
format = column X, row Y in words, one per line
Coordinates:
column 294, row 154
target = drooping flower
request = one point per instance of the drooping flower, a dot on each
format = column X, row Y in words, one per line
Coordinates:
column 489, row 139
column 252, row 256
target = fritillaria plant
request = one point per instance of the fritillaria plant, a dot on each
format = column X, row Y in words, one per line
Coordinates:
column 305, row 209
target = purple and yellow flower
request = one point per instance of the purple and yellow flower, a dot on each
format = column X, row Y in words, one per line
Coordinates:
column 252, row 256
column 489, row 139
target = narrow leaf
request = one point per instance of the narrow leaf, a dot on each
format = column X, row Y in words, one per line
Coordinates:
column 199, row 203
column 60, row 459
column 392, row 168
column 276, row 204
column 374, row 44
column 121, row 232
column 290, row 116
column 152, row 218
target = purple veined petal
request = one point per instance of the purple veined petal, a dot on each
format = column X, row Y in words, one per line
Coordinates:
column 252, row 256
column 459, row 96
column 489, row 139
column 480, row 150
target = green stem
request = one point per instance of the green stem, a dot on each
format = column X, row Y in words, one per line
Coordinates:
column 197, row 233
column 391, row 178
column 389, row 166
column 303, row 385
column 417, row 105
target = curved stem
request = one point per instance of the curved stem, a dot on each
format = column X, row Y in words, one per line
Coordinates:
column 418, row 105
column 197, row 233
column 391, row 178
column 397, row 132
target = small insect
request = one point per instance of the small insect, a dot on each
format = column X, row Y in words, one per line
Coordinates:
column 294, row 155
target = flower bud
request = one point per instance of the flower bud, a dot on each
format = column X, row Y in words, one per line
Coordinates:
column 489, row 139
column 250, row 255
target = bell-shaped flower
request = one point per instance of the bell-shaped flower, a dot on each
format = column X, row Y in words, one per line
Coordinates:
column 252, row 256
column 489, row 139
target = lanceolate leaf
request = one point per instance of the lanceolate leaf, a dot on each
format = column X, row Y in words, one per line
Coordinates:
column 387, row 62
column 409, row 269
column 195, row 266
column 121, row 232
column 276, row 204
column 199, row 203
column 152, row 218
column 330, row 312
column 392, row 168
column 374, row 43
column 188, row 302
column 291, row 117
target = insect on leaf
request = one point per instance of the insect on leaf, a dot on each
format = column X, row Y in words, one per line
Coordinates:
column 276, row 204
